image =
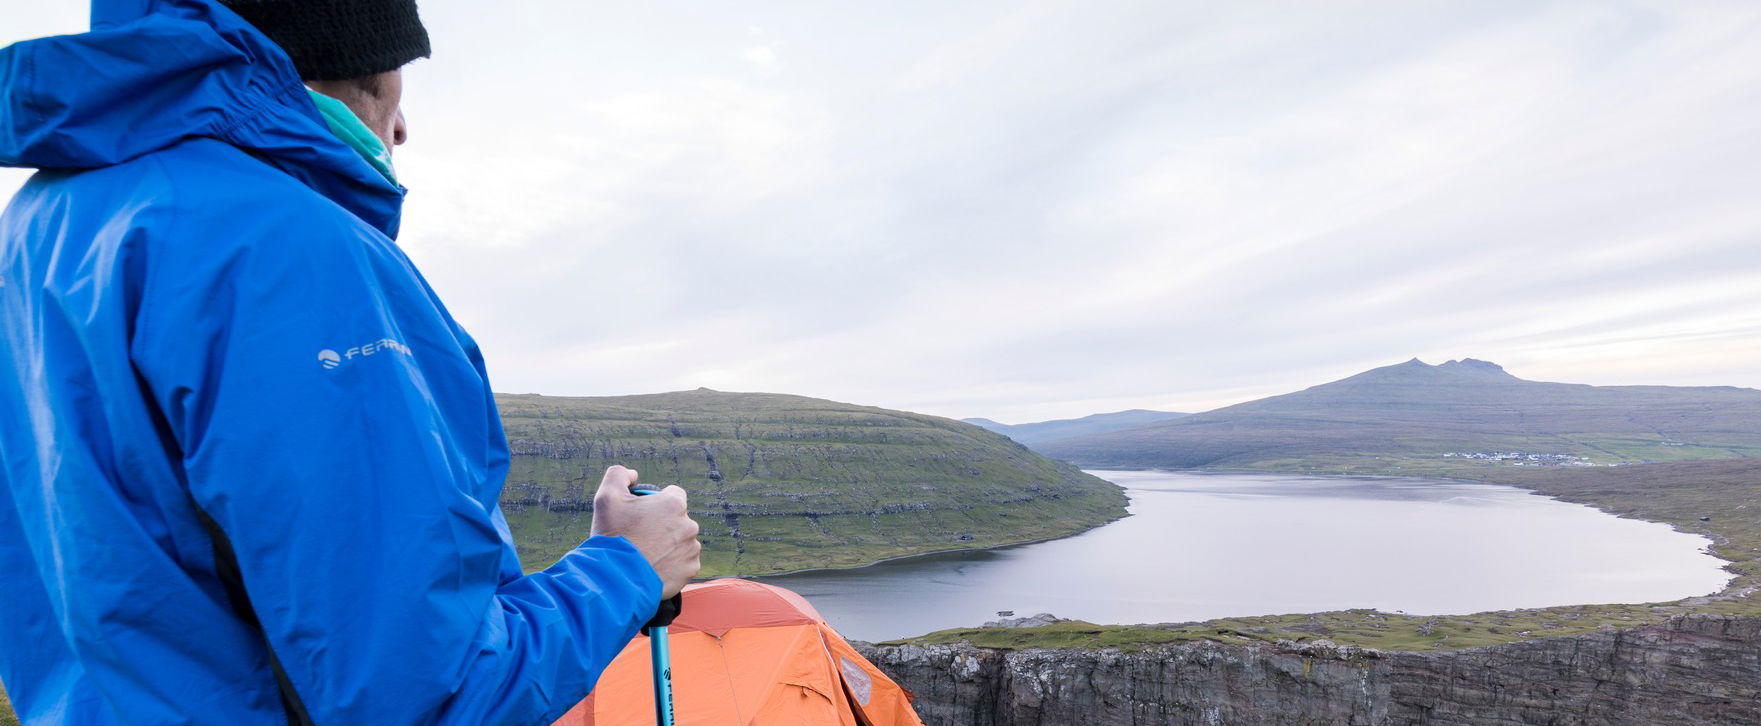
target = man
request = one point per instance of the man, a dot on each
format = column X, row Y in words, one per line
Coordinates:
column 250, row 463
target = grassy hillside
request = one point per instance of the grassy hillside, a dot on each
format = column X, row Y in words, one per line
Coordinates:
column 1727, row 492
column 1039, row 432
column 1420, row 413
column 783, row 483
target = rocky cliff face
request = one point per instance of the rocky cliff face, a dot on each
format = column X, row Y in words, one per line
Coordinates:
column 782, row 483
column 1696, row 669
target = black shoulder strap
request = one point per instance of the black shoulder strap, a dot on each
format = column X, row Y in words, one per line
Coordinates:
column 226, row 566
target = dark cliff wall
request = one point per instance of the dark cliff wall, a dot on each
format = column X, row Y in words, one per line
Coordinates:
column 1697, row 669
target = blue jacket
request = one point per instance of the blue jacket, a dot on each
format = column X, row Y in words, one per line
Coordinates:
column 203, row 317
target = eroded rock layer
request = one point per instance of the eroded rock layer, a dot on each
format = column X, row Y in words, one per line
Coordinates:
column 1696, row 669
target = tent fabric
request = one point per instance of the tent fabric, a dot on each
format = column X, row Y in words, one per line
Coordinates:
column 748, row 654
column 732, row 603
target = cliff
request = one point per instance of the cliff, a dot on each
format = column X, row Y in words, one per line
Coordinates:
column 783, row 482
column 1689, row 670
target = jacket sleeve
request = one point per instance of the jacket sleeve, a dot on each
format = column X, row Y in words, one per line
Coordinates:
column 337, row 427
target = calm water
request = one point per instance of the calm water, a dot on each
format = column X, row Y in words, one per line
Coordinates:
column 1201, row 546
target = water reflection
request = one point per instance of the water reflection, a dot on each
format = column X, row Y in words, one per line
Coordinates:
column 1200, row 546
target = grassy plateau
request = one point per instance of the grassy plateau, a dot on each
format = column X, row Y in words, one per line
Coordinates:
column 781, row 483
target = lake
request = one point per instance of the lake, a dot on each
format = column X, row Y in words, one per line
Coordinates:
column 1200, row 545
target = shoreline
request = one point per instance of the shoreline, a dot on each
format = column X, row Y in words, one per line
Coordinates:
column 896, row 558
column 1735, row 587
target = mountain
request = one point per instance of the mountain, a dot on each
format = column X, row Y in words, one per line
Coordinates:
column 1033, row 434
column 783, row 483
column 1413, row 410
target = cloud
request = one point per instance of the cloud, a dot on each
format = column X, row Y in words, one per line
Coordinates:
column 764, row 58
column 1048, row 209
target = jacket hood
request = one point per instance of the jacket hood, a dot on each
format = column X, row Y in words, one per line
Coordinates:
column 153, row 73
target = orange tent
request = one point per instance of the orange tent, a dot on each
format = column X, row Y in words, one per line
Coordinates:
column 748, row 654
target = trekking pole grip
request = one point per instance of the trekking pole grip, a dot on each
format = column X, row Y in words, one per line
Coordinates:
column 670, row 607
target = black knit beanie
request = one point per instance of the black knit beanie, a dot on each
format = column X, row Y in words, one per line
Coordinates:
column 333, row 40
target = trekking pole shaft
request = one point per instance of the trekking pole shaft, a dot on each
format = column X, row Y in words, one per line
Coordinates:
column 663, row 676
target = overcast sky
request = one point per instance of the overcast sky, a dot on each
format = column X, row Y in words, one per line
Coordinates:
column 1030, row 210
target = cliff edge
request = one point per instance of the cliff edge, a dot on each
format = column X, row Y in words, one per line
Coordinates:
column 1689, row 670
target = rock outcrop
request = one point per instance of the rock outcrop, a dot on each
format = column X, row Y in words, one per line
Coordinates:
column 1695, row 669
column 1032, row 621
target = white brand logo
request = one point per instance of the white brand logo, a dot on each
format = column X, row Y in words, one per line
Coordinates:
column 332, row 359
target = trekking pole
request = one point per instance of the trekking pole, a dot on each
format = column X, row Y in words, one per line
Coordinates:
column 658, row 654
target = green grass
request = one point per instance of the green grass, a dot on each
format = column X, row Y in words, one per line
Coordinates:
column 1362, row 628
column 1068, row 634
column 7, row 718
column 781, row 483
column 1727, row 491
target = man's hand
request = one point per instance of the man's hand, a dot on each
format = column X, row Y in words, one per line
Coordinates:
column 657, row 524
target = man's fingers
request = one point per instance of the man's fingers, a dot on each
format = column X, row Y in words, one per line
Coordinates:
column 617, row 481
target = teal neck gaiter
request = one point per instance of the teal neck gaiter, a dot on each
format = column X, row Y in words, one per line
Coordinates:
column 347, row 126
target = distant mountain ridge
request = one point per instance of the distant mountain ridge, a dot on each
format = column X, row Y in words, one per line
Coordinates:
column 1039, row 432
column 1414, row 409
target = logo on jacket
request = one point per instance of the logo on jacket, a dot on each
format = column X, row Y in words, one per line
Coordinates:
column 331, row 359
